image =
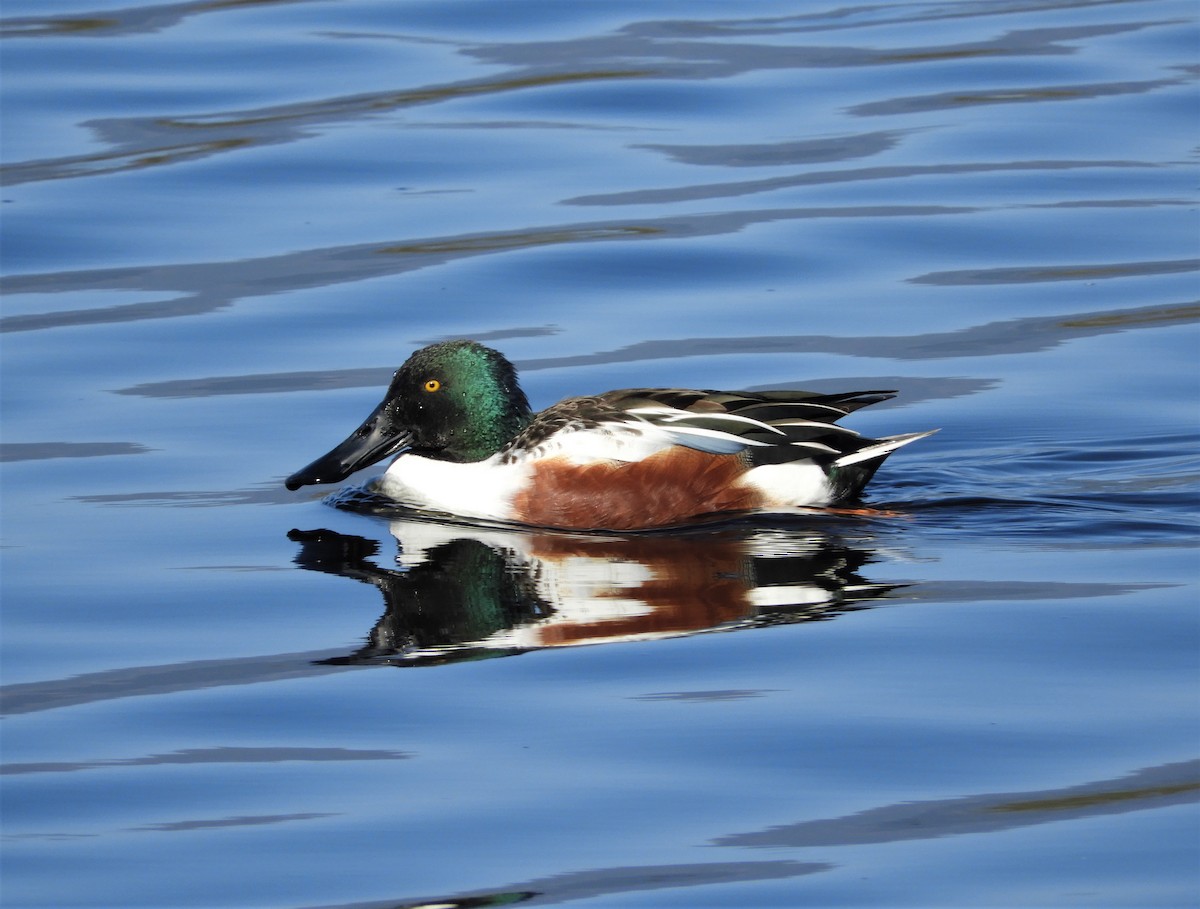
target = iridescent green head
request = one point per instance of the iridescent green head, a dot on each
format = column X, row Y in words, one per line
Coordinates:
column 460, row 400
column 453, row 401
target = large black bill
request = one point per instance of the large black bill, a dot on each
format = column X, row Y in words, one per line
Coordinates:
column 375, row 440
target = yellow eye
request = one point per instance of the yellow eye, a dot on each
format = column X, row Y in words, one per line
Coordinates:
column 432, row 385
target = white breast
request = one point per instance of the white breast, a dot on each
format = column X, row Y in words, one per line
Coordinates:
column 483, row 489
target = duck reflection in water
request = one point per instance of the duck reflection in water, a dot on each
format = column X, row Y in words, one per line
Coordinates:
column 466, row 592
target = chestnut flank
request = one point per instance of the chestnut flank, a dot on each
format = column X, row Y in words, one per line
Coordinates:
column 670, row 487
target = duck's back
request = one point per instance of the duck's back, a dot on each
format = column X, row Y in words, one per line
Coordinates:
column 650, row 457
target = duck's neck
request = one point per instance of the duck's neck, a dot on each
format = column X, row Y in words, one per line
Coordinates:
column 490, row 433
column 501, row 432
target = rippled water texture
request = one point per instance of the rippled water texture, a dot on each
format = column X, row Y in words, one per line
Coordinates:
column 226, row 223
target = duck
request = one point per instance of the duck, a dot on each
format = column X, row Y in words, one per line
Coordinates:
column 467, row 444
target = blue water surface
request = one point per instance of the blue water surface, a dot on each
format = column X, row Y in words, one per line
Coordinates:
column 225, row 224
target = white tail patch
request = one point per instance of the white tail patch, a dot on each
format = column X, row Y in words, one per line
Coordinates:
column 881, row 448
column 794, row 484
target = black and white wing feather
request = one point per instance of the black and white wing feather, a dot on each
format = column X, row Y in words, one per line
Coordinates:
column 764, row 427
column 768, row 427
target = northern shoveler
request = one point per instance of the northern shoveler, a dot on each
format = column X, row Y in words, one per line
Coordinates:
column 639, row 458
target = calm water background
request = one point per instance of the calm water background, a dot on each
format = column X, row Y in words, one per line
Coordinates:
column 225, row 223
